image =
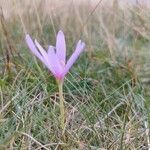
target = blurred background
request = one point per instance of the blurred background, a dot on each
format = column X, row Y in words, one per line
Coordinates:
column 120, row 27
column 113, row 76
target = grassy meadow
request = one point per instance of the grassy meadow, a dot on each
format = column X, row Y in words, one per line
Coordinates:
column 107, row 91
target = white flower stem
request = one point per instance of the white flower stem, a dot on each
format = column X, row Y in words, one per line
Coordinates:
column 62, row 107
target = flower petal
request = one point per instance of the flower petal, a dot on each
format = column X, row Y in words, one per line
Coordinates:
column 33, row 48
column 42, row 51
column 45, row 56
column 79, row 48
column 54, row 61
column 61, row 47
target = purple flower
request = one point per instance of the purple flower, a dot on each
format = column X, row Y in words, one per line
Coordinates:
column 55, row 58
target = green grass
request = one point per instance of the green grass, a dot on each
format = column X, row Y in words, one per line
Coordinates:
column 107, row 104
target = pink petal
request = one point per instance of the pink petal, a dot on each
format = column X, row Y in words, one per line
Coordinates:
column 54, row 61
column 33, row 48
column 42, row 51
column 45, row 56
column 61, row 47
column 79, row 48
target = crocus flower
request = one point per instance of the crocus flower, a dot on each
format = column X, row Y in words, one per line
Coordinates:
column 55, row 57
